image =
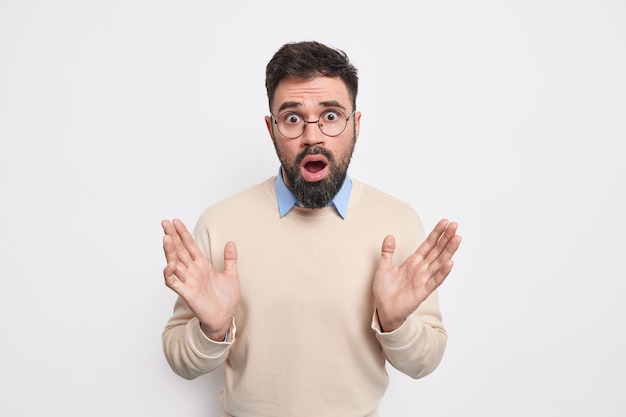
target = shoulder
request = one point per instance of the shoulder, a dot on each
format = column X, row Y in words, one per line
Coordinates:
column 390, row 214
column 255, row 199
column 365, row 196
column 387, row 215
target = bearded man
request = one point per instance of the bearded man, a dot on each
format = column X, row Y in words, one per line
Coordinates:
column 305, row 285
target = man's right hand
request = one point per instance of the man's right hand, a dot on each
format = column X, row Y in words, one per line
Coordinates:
column 211, row 295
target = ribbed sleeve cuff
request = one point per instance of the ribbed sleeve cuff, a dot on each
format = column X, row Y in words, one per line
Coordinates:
column 205, row 347
column 403, row 337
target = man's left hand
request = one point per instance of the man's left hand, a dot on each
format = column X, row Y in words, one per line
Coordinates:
column 398, row 291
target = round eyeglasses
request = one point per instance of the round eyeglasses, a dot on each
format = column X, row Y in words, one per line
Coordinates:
column 291, row 124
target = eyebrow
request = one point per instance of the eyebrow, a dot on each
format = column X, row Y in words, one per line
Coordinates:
column 296, row 104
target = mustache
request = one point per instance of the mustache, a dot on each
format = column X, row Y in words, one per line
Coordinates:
column 316, row 150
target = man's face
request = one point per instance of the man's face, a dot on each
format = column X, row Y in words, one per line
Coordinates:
column 314, row 165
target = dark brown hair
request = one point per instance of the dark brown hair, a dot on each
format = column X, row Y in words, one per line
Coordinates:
column 308, row 60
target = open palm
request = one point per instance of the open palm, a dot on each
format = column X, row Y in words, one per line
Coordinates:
column 398, row 291
column 212, row 295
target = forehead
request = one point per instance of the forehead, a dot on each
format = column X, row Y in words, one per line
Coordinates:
column 311, row 93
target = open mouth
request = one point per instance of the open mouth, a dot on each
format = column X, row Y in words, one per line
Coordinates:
column 314, row 168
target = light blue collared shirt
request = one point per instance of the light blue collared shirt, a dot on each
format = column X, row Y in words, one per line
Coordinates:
column 286, row 199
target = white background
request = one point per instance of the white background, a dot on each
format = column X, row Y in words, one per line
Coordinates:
column 506, row 116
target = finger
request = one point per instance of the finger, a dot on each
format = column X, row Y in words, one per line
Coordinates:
column 431, row 240
column 452, row 246
column 191, row 248
column 440, row 264
column 171, row 280
column 444, row 240
column 174, row 265
column 175, row 253
column 169, row 249
column 230, row 258
column 387, row 250
column 175, row 250
column 177, row 247
column 443, row 255
column 168, row 227
column 436, row 280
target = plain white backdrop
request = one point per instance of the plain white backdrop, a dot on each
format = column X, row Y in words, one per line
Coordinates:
column 506, row 116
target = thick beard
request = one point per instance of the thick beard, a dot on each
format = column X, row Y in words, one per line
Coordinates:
column 320, row 193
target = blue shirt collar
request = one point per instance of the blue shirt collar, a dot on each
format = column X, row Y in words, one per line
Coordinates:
column 286, row 199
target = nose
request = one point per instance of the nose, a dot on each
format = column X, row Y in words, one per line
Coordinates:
column 312, row 135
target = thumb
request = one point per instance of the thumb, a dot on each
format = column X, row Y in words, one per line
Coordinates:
column 230, row 257
column 388, row 248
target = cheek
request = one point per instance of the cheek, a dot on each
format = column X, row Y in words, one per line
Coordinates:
column 344, row 151
column 286, row 153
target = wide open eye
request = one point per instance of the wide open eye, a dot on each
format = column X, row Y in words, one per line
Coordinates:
column 331, row 116
column 291, row 119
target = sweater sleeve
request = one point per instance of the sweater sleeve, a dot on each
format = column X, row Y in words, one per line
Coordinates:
column 187, row 349
column 417, row 347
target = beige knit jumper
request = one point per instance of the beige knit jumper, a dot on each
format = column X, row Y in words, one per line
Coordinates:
column 304, row 340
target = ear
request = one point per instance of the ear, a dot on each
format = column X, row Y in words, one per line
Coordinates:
column 357, row 124
column 268, row 124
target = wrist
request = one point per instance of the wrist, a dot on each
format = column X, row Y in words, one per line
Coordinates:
column 215, row 335
column 388, row 325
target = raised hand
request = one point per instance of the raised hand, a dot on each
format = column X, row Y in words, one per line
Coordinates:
column 211, row 295
column 398, row 291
